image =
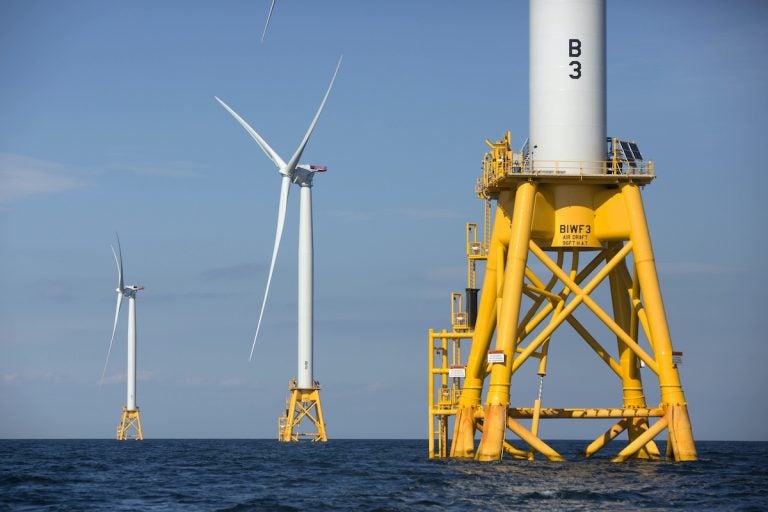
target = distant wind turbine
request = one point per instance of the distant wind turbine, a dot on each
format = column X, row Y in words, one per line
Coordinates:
column 130, row 418
column 302, row 175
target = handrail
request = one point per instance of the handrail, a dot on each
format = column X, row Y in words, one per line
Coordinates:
column 493, row 172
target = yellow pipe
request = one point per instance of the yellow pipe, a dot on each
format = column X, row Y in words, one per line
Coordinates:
column 464, row 424
column 560, row 305
column 514, row 452
column 535, row 292
column 532, row 324
column 595, row 345
column 579, row 297
column 533, row 441
column 641, row 440
column 632, row 384
column 534, row 422
column 583, row 296
column 633, row 285
column 669, row 381
column 602, row 441
column 498, row 390
column 577, row 413
column 631, row 381
column 680, row 435
column 646, row 272
column 431, row 393
column 650, row 451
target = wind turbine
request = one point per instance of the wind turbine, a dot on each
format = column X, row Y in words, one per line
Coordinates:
column 304, row 391
column 130, row 423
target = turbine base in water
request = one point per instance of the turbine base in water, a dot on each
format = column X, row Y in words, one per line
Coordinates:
column 130, row 426
column 302, row 405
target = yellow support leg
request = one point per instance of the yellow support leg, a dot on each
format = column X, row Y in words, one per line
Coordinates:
column 463, row 445
column 632, row 383
column 672, row 397
column 491, row 443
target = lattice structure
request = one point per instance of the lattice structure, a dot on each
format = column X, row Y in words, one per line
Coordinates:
column 130, row 426
column 584, row 231
column 302, row 405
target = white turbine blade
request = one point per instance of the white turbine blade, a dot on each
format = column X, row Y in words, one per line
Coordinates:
column 284, row 189
column 261, row 142
column 119, row 263
column 297, row 155
column 269, row 17
column 114, row 328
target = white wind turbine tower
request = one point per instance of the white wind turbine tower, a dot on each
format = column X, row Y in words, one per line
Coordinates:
column 304, row 400
column 130, row 422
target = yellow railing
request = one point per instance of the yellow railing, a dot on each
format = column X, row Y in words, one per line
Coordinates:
column 496, row 171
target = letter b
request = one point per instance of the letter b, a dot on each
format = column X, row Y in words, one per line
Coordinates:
column 574, row 48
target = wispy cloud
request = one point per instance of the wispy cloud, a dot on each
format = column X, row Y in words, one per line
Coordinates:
column 209, row 382
column 418, row 214
column 174, row 169
column 9, row 378
column 177, row 296
column 23, row 379
column 22, row 177
column 117, row 378
column 232, row 272
column 55, row 290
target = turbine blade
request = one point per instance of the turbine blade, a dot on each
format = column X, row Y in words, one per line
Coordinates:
column 119, row 263
column 269, row 16
column 294, row 161
column 284, row 189
column 114, row 328
column 261, row 142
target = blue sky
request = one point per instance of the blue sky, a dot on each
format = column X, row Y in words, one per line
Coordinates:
column 108, row 123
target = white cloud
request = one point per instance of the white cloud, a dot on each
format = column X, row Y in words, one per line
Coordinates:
column 23, row 379
column 232, row 272
column 22, row 177
column 176, row 169
column 9, row 378
column 118, row 378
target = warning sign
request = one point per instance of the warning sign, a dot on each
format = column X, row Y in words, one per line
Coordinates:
column 496, row 356
column 457, row 371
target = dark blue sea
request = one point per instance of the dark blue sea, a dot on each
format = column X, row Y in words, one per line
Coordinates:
column 359, row 475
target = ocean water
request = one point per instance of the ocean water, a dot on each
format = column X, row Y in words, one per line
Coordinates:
column 360, row 475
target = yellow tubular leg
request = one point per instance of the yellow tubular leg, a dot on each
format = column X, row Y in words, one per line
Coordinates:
column 600, row 443
column 464, row 427
column 672, row 397
column 491, row 443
